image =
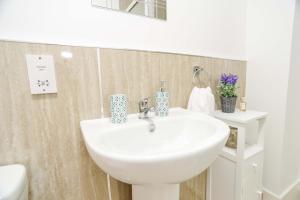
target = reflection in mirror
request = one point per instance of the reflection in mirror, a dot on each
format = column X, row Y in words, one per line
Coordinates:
column 150, row 8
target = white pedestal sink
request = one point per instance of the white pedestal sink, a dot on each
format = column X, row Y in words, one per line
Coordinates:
column 183, row 145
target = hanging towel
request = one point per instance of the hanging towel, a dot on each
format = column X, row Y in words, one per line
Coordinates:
column 202, row 100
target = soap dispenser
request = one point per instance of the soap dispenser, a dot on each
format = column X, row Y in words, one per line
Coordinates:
column 162, row 101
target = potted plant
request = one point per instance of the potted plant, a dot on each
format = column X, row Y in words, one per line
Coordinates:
column 227, row 90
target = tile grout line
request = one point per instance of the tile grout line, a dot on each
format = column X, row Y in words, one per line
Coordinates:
column 102, row 112
column 100, row 82
column 108, row 186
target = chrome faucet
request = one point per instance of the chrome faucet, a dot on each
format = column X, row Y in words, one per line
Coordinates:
column 144, row 109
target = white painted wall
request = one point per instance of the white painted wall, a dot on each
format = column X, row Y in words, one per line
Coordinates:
column 297, row 40
column 213, row 28
column 291, row 146
column 269, row 38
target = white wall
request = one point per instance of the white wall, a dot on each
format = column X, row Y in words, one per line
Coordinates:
column 297, row 49
column 291, row 148
column 213, row 28
column 269, row 37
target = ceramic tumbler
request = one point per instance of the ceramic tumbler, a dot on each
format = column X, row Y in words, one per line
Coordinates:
column 118, row 108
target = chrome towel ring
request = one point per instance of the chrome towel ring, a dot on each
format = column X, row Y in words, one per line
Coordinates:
column 197, row 70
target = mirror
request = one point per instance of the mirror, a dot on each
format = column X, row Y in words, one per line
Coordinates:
column 149, row 8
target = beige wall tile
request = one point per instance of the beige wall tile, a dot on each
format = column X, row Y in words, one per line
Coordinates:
column 119, row 190
column 42, row 131
column 194, row 189
column 176, row 71
column 134, row 73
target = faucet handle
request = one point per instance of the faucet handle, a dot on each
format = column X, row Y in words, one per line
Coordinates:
column 144, row 103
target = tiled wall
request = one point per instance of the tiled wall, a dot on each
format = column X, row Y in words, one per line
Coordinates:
column 42, row 131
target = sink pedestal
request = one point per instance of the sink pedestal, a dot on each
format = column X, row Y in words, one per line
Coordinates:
column 155, row 192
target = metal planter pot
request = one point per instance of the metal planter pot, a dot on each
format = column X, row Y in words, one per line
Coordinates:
column 228, row 104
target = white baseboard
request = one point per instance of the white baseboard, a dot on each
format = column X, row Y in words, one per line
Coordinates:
column 284, row 193
column 270, row 195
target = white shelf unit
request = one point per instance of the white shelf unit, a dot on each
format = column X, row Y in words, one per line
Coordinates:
column 237, row 173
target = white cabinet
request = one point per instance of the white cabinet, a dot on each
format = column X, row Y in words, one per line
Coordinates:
column 252, row 178
column 237, row 173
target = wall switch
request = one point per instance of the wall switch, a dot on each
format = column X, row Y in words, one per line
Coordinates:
column 41, row 74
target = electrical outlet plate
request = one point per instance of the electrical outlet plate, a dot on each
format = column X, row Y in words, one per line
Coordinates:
column 41, row 74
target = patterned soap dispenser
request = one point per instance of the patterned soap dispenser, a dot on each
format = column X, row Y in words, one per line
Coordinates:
column 162, row 101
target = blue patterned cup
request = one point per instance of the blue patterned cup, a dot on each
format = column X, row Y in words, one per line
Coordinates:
column 118, row 108
column 162, row 104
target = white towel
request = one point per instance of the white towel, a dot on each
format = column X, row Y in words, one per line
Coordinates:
column 202, row 100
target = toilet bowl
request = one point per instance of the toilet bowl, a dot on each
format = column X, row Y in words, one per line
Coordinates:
column 13, row 182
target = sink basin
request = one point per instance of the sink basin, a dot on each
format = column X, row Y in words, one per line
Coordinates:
column 183, row 145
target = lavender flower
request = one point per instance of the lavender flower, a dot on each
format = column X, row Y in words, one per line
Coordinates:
column 227, row 86
column 229, row 79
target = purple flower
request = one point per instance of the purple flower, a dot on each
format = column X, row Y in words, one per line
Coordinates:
column 229, row 79
column 224, row 78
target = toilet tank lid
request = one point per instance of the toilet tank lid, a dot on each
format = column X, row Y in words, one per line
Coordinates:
column 13, row 181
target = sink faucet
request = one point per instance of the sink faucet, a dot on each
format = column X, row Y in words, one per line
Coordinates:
column 144, row 110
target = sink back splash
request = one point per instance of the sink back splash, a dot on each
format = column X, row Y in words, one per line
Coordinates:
column 42, row 131
column 138, row 74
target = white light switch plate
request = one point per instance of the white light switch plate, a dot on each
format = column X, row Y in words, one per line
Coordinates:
column 41, row 74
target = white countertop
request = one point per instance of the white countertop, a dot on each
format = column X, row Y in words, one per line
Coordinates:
column 240, row 116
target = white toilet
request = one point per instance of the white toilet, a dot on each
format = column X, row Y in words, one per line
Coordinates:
column 13, row 182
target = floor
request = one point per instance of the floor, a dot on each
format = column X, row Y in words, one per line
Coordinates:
column 293, row 195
